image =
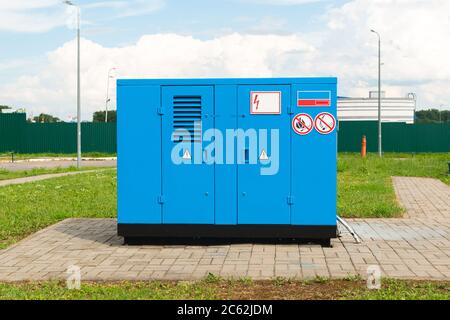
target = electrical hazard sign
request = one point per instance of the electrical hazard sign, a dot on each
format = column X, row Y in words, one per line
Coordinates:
column 265, row 102
column 325, row 123
column 302, row 124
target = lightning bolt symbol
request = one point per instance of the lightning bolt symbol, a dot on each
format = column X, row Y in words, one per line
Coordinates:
column 256, row 101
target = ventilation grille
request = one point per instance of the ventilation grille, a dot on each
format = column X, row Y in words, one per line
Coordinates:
column 187, row 116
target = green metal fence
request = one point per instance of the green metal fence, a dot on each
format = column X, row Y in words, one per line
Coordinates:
column 16, row 135
column 11, row 131
column 21, row 137
column 396, row 137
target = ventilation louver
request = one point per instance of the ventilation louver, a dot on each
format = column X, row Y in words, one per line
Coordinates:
column 187, row 116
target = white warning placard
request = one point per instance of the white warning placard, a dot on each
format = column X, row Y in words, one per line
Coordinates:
column 265, row 102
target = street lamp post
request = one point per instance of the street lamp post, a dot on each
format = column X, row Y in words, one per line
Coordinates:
column 69, row 3
column 379, row 93
column 107, row 94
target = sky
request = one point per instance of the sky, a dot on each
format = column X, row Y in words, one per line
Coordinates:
column 223, row 38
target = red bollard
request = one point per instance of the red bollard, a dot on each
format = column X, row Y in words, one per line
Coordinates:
column 363, row 147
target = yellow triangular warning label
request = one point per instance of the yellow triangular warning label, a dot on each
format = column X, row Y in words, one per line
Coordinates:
column 187, row 155
column 263, row 155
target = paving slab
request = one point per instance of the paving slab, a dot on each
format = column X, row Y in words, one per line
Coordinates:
column 415, row 247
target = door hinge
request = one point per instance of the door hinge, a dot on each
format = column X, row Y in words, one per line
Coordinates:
column 290, row 200
column 161, row 199
column 160, row 111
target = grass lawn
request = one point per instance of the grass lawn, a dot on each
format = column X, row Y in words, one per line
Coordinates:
column 215, row 288
column 29, row 207
column 6, row 174
column 365, row 187
column 364, row 190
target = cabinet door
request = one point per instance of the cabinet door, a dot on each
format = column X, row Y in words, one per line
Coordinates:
column 188, row 187
column 139, row 137
column 264, row 177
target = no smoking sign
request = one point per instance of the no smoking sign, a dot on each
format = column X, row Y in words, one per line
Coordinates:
column 325, row 123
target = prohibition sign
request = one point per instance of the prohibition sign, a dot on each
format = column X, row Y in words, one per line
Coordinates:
column 302, row 124
column 325, row 123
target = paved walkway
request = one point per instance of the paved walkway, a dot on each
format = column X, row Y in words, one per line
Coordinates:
column 423, row 197
column 42, row 177
column 417, row 247
column 52, row 163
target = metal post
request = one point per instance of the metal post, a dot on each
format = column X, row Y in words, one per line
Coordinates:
column 78, row 94
column 107, row 94
column 379, row 93
column 379, row 97
column 107, row 98
column 70, row 3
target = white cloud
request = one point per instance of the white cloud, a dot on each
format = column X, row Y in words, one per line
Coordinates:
column 130, row 7
column 281, row 2
column 415, row 54
column 29, row 16
column 35, row 16
column 269, row 25
column 153, row 56
column 415, row 46
column 26, row 4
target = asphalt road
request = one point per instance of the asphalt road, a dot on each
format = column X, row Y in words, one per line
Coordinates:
column 28, row 165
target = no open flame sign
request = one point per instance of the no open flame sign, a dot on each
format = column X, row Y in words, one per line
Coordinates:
column 302, row 124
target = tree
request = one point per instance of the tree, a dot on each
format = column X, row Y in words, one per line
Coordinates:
column 2, row 107
column 99, row 116
column 432, row 116
column 46, row 118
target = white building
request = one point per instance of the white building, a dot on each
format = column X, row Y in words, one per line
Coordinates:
column 400, row 109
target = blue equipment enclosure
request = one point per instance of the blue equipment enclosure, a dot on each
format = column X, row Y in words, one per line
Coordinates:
column 227, row 158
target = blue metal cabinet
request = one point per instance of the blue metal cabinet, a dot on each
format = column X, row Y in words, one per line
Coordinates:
column 195, row 183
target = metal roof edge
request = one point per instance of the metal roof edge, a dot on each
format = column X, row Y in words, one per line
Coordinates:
column 224, row 81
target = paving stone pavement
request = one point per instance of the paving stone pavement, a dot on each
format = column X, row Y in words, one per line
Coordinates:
column 19, row 165
column 423, row 197
column 415, row 247
column 44, row 177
